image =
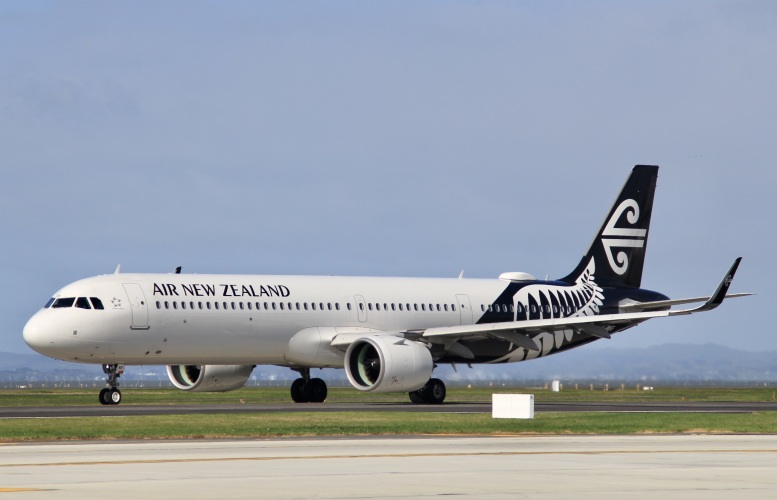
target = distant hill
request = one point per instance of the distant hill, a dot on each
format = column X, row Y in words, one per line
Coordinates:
column 672, row 363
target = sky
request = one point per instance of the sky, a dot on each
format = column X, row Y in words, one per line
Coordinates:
column 388, row 139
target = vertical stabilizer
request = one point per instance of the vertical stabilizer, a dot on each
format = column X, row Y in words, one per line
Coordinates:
column 618, row 250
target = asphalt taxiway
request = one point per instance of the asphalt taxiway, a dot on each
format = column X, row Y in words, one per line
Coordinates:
column 129, row 410
column 548, row 467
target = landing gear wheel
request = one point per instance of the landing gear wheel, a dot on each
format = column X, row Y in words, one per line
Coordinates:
column 114, row 396
column 111, row 394
column 433, row 393
column 104, row 396
column 315, row 390
column 416, row 397
column 298, row 394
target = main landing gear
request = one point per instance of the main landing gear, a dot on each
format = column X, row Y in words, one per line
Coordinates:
column 433, row 393
column 111, row 395
column 306, row 389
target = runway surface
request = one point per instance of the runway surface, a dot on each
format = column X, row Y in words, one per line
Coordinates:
column 601, row 467
column 129, row 410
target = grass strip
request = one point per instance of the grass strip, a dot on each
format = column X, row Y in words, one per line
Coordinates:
column 293, row 424
column 257, row 395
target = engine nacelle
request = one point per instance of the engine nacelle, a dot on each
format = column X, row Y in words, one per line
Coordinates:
column 209, row 378
column 382, row 363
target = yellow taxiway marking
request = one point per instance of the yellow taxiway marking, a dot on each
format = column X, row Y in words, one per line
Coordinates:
column 18, row 490
column 377, row 455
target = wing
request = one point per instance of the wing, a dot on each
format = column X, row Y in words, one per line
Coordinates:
column 520, row 332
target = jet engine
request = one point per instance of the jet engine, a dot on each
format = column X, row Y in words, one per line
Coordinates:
column 209, row 378
column 382, row 363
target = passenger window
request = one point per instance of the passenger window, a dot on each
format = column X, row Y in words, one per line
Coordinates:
column 82, row 303
column 290, row 307
column 183, row 305
column 242, row 306
column 438, row 307
column 216, row 305
column 297, row 304
column 207, row 304
column 408, row 306
column 313, row 305
column 445, row 306
column 175, row 305
column 250, row 306
column 63, row 302
column 97, row 303
column 257, row 306
column 482, row 307
column 233, row 306
column 191, row 305
column 369, row 306
column 349, row 306
column 329, row 305
column 281, row 305
column 48, row 304
column 415, row 307
column 377, row 307
column 226, row 306
column 453, row 307
column 400, row 307
column 265, row 306
column 423, row 307
column 321, row 305
column 273, row 306
column 158, row 305
column 337, row 306
column 199, row 304
column 361, row 306
column 167, row 305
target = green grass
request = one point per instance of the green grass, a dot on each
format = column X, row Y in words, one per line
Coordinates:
column 375, row 423
column 132, row 396
column 269, row 424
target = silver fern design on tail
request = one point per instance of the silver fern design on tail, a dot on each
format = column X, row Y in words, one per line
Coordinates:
column 584, row 298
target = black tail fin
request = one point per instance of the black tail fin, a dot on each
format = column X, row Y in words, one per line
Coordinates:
column 618, row 251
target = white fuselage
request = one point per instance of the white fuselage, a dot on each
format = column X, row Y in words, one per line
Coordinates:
column 155, row 319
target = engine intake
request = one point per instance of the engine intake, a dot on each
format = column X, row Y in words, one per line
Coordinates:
column 382, row 363
column 209, row 378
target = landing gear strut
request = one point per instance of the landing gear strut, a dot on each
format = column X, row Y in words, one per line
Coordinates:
column 111, row 395
column 433, row 393
column 306, row 389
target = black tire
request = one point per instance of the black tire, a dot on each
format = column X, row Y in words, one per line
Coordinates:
column 104, row 396
column 316, row 390
column 298, row 393
column 416, row 397
column 114, row 396
column 434, row 391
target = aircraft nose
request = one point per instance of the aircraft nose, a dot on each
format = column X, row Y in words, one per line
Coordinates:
column 36, row 334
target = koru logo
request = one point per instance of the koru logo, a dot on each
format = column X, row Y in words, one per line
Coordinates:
column 116, row 303
column 626, row 237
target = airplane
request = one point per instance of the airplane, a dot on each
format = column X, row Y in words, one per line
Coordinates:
column 388, row 333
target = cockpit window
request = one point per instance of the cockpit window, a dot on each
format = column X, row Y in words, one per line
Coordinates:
column 83, row 303
column 48, row 304
column 96, row 303
column 63, row 302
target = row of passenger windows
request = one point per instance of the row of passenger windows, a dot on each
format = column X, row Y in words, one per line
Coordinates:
column 303, row 306
column 520, row 308
column 80, row 302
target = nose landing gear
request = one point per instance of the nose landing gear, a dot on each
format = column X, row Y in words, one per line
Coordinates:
column 111, row 395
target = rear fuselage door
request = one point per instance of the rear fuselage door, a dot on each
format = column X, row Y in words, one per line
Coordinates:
column 465, row 309
column 138, row 306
